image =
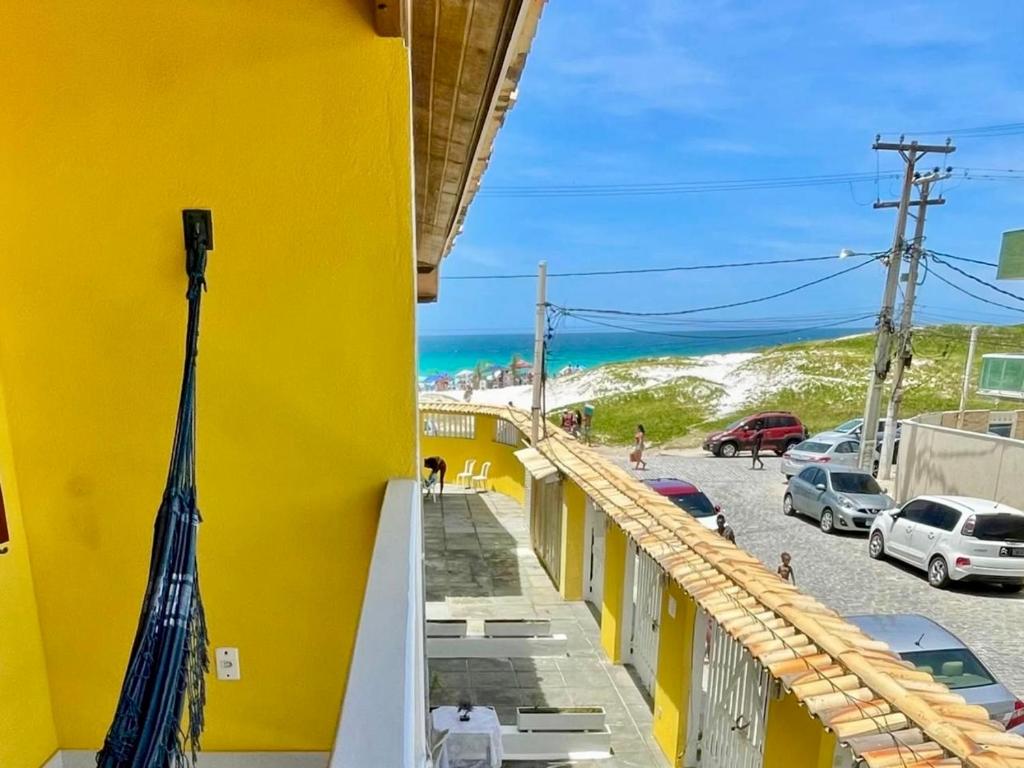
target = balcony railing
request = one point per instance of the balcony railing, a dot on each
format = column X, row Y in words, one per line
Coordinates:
column 383, row 718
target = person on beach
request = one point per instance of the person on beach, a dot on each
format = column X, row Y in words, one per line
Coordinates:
column 639, row 444
column 468, row 394
column 577, row 426
column 785, row 570
column 724, row 529
column 755, row 446
column 567, row 421
column 437, row 467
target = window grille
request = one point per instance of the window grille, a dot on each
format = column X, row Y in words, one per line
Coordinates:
column 506, row 432
column 449, row 425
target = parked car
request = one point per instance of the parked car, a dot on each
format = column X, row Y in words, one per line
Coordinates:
column 842, row 450
column 837, row 497
column 934, row 649
column 782, row 430
column 854, row 428
column 688, row 497
column 954, row 538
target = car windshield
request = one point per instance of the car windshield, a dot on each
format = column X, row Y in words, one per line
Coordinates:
column 697, row 504
column 732, row 426
column 1000, row 527
column 956, row 667
column 848, row 426
column 809, row 446
column 854, row 482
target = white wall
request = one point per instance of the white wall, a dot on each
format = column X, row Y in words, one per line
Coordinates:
column 940, row 460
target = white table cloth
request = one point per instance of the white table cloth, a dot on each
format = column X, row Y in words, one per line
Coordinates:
column 475, row 743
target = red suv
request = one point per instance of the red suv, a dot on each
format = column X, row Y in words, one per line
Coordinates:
column 782, row 430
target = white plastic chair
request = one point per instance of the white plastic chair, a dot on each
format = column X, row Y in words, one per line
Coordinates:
column 431, row 488
column 465, row 477
column 481, row 479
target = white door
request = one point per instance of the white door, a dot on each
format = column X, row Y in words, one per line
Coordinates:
column 647, row 588
column 730, row 711
column 593, row 556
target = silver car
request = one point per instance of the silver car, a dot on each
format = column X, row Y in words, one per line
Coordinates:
column 934, row 649
column 843, row 498
column 820, row 450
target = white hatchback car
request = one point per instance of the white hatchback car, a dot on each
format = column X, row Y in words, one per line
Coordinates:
column 829, row 450
column 954, row 538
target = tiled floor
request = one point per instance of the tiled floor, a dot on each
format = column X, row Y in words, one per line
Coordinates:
column 479, row 565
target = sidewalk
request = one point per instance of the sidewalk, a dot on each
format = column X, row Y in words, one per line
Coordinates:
column 479, row 565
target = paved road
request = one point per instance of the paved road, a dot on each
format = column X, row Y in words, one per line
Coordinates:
column 837, row 570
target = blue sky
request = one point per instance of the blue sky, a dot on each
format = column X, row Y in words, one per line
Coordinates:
column 640, row 92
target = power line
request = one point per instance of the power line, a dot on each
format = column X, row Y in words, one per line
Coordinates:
column 730, row 305
column 650, row 270
column 964, row 291
column 966, row 274
column 676, row 187
column 720, row 337
column 1002, row 129
column 963, row 258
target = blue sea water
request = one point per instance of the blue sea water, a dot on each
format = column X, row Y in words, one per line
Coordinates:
column 449, row 354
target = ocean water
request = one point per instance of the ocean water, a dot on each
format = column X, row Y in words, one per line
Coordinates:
column 450, row 354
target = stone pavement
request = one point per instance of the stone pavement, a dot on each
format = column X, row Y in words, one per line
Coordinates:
column 479, row 564
column 837, row 570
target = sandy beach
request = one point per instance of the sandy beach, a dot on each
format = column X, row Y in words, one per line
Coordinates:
column 724, row 370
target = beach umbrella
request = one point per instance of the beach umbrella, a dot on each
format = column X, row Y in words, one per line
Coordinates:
column 169, row 657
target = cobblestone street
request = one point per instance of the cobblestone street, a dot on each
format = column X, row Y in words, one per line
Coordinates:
column 837, row 570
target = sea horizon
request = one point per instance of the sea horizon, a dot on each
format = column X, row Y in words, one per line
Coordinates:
column 454, row 352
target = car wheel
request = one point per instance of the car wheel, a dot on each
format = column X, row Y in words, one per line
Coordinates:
column 876, row 546
column 787, row 505
column 827, row 523
column 938, row 572
column 728, row 450
column 789, row 444
column 1012, row 588
column 777, row 451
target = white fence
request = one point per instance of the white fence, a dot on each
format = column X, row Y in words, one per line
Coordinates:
column 449, row 425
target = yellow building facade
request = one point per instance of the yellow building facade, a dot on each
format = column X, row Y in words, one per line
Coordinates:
column 294, row 123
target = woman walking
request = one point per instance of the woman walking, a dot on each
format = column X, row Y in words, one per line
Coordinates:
column 639, row 444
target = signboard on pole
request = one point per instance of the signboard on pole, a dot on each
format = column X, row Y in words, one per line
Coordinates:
column 1011, row 256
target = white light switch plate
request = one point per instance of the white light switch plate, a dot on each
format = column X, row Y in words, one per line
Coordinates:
column 227, row 664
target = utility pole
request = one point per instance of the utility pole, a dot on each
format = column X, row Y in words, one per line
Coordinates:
column 967, row 377
column 911, row 152
column 538, row 351
column 904, row 352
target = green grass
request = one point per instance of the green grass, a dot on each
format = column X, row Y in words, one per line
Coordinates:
column 675, row 408
column 824, row 384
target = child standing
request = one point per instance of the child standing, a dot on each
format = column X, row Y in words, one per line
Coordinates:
column 785, row 570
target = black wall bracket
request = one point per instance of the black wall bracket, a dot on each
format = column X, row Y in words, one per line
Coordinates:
column 198, row 228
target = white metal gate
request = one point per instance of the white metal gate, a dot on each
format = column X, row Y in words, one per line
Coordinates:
column 733, row 704
column 647, row 586
column 593, row 556
column 546, row 526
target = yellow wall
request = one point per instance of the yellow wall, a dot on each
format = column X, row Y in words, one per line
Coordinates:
column 672, row 681
column 794, row 739
column 27, row 734
column 611, row 599
column 506, row 474
column 291, row 120
column 574, row 512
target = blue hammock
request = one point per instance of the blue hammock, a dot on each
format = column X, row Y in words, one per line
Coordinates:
column 169, row 657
